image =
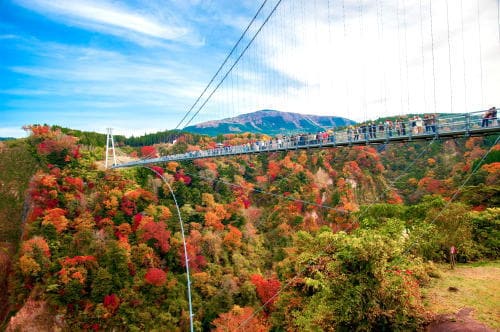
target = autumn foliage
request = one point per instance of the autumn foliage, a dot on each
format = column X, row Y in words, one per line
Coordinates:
column 156, row 231
column 267, row 290
column 149, row 152
column 155, row 277
column 239, row 318
column 331, row 223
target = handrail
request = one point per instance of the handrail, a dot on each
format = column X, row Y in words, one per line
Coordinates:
column 367, row 133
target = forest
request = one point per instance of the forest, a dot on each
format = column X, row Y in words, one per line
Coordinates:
column 339, row 239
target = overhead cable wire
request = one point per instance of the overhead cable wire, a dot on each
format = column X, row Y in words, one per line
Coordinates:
column 186, row 256
column 223, row 64
column 271, row 299
column 399, row 57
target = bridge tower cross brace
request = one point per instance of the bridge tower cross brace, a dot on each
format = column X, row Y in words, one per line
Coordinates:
column 110, row 147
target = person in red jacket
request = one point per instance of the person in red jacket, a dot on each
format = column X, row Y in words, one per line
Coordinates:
column 453, row 254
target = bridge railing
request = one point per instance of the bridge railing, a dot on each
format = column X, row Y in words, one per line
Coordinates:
column 466, row 122
column 376, row 133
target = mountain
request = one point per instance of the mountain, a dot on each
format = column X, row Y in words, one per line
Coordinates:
column 269, row 122
column 6, row 138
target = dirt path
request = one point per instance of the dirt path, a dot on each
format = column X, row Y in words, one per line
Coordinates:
column 459, row 322
column 465, row 299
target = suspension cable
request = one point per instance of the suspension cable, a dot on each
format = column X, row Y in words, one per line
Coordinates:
column 463, row 53
column 223, row 63
column 346, row 77
column 433, row 60
column 449, row 54
column 422, row 52
column 405, row 39
column 399, row 58
column 235, row 63
column 480, row 51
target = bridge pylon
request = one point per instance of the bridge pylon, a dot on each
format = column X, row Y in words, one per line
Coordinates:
column 110, row 147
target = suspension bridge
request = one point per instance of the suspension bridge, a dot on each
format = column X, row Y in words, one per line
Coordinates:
column 361, row 60
column 469, row 124
column 430, row 66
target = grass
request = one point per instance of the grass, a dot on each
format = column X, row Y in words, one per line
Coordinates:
column 478, row 288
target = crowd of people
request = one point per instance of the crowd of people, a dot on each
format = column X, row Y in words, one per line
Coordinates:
column 415, row 125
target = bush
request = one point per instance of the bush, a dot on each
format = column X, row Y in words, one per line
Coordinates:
column 486, row 233
column 351, row 282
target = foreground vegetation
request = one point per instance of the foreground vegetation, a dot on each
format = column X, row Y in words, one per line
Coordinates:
column 288, row 241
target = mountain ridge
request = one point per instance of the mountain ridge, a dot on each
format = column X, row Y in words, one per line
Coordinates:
column 269, row 122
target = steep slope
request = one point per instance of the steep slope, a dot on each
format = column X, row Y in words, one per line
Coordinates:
column 268, row 122
column 17, row 165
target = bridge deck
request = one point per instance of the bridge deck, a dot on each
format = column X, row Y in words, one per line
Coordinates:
column 469, row 124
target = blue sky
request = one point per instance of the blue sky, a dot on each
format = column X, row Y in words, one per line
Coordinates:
column 137, row 66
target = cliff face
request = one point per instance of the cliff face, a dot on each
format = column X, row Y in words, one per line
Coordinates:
column 34, row 316
column 17, row 165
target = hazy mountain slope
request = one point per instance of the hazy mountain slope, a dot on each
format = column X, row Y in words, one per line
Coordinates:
column 268, row 122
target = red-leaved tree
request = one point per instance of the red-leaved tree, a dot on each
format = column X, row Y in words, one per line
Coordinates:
column 155, row 277
column 242, row 319
column 267, row 290
column 111, row 302
column 156, row 231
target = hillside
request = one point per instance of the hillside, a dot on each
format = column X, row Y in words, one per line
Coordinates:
column 334, row 239
column 268, row 122
column 17, row 165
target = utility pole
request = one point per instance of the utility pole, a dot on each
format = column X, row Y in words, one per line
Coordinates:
column 110, row 145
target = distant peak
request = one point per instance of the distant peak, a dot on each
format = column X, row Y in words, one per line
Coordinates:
column 268, row 121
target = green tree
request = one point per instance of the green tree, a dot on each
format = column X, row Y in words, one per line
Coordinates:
column 349, row 283
column 102, row 284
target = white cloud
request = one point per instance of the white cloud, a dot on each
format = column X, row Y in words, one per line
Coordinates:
column 301, row 62
column 385, row 62
column 73, row 86
column 116, row 19
column 91, row 72
column 12, row 132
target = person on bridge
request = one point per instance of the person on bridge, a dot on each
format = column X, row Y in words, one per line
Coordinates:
column 489, row 115
column 403, row 127
column 494, row 120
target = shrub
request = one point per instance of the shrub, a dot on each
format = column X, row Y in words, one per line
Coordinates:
column 350, row 282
